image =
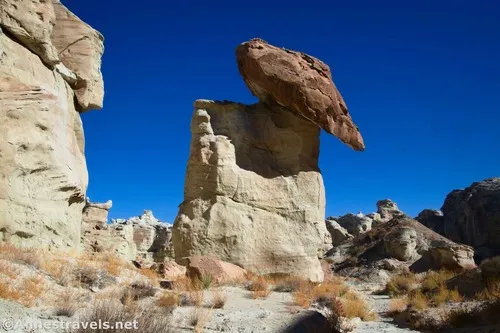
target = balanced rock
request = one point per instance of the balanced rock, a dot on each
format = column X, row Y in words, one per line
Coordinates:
column 43, row 173
column 387, row 210
column 300, row 83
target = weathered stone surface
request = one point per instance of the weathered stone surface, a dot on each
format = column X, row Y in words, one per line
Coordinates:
column 152, row 238
column 218, row 270
column 80, row 48
column 355, row 224
column 300, row 83
column 401, row 244
column 472, row 216
column 96, row 214
column 432, row 219
column 338, row 233
column 31, row 23
column 452, row 256
column 253, row 194
column 387, row 210
column 43, row 174
column 169, row 270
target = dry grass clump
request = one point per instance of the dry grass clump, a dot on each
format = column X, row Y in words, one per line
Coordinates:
column 191, row 298
column 137, row 291
column 107, row 311
column 218, row 299
column 484, row 314
column 27, row 293
column 67, row 304
column 168, row 300
column 418, row 301
column 60, row 270
column 398, row 305
column 491, row 291
column 259, row 287
column 436, row 280
column 401, row 284
column 198, row 317
column 151, row 275
column 30, row 257
column 86, row 276
column 187, row 284
column 357, row 308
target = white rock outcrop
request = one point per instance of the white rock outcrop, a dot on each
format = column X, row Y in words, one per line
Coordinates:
column 253, row 194
column 43, row 173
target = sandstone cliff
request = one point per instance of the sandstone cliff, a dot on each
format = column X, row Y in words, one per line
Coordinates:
column 47, row 58
column 254, row 195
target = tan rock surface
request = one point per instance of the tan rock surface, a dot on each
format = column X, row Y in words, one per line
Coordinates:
column 300, row 83
column 218, row 270
column 253, row 194
column 43, row 174
column 80, row 48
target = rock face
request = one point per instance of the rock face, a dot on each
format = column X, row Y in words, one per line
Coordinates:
column 387, row 210
column 432, row 219
column 300, row 83
column 356, row 224
column 253, row 195
column 401, row 244
column 338, row 234
column 43, row 174
column 472, row 216
column 152, row 238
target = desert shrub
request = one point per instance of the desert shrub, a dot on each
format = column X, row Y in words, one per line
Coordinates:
column 9, row 293
column 401, row 284
column 191, row 298
column 491, row 291
column 86, row 276
column 150, row 274
column 288, row 285
column 30, row 257
column 67, row 304
column 59, row 270
column 185, row 283
column 436, row 279
column 398, row 305
column 417, row 300
column 485, row 314
column 168, row 300
column 335, row 312
column 198, row 317
column 206, row 281
column 218, row 299
column 259, row 288
column 490, row 268
column 107, row 311
column 137, row 291
column 357, row 308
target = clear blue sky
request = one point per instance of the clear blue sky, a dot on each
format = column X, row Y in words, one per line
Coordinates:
column 421, row 80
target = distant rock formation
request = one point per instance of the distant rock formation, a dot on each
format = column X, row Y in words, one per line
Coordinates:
column 49, row 59
column 254, row 195
column 470, row 216
column 143, row 238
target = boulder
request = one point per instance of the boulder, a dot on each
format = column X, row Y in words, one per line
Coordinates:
column 401, row 244
column 452, row 256
column 169, row 270
column 387, row 210
column 253, row 194
column 219, row 271
column 472, row 217
column 432, row 219
column 338, row 233
column 299, row 83
column 96, row 214
column 355, row 224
